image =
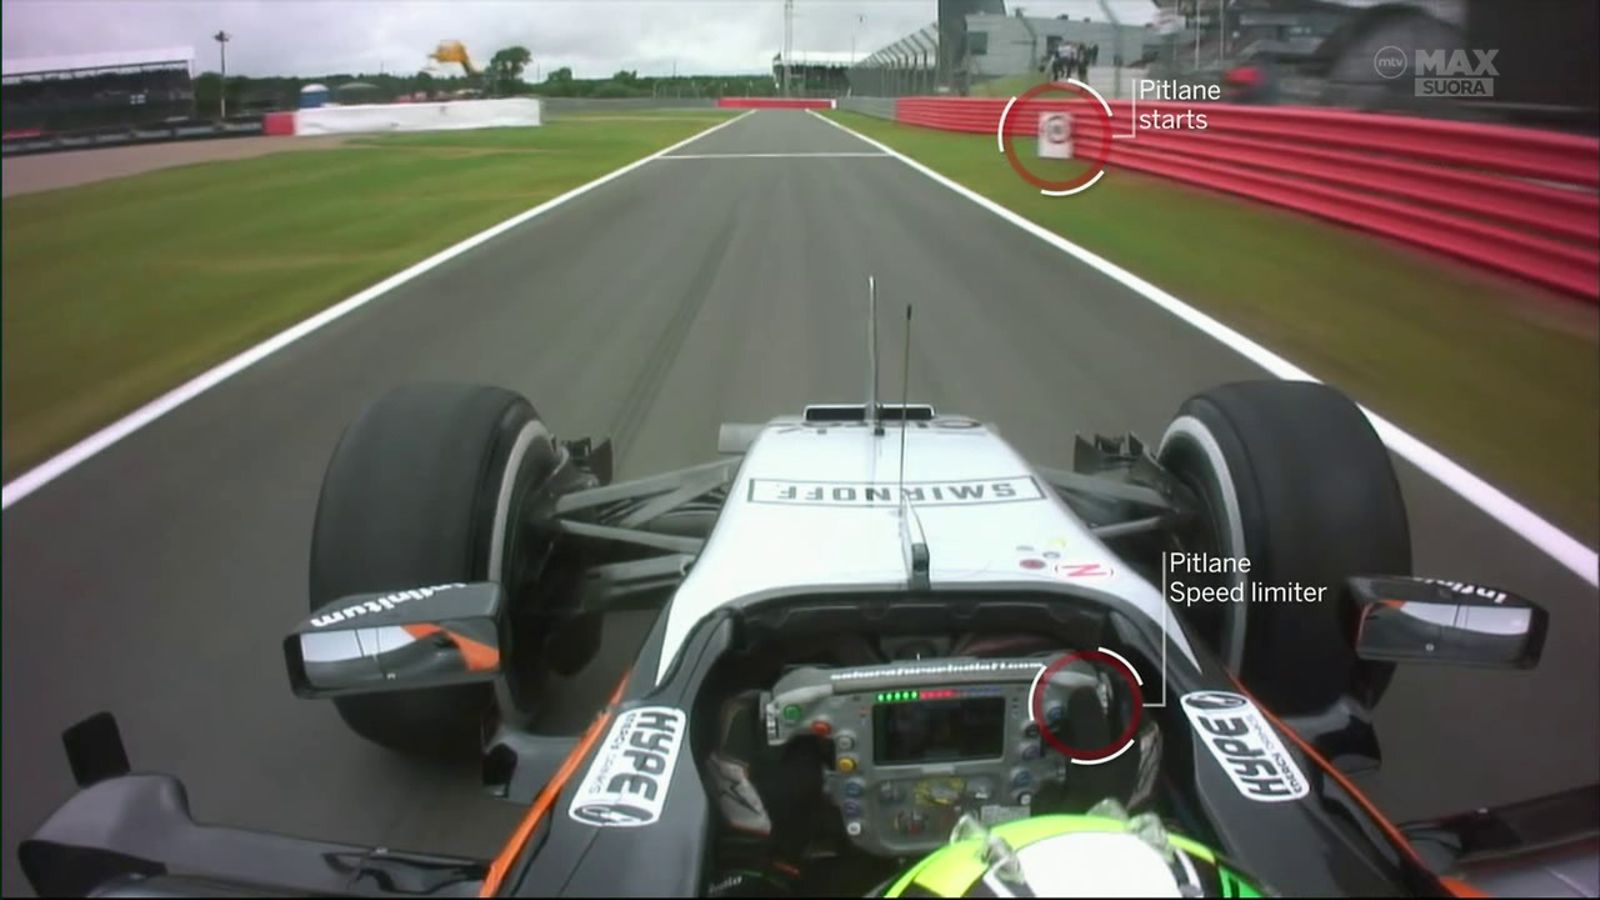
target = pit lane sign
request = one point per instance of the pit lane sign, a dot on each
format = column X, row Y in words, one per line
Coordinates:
column 1055, row 135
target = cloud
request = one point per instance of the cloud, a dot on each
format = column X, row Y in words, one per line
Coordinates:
column 594, row 37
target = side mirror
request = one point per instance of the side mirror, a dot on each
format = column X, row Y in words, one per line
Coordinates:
column 399, row 640
column 1426, row 620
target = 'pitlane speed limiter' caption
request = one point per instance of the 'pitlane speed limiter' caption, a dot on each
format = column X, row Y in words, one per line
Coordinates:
column 1179, row 571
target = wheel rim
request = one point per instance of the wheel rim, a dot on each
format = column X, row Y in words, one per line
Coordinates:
column 504, row 529
column 1229, row 537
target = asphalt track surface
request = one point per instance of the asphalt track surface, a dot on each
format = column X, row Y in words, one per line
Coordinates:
column 157, row 578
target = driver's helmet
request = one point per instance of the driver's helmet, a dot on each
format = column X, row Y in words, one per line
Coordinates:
column 1094, row 855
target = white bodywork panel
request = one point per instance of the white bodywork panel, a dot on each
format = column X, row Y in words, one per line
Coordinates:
column 816, row 507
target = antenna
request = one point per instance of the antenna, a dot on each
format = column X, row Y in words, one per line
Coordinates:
column 911, row 527
column 874, row 408
column 905, row 397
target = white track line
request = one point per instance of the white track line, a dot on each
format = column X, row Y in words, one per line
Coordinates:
column 63, row 462
column 1562, row 547
column 822, row 155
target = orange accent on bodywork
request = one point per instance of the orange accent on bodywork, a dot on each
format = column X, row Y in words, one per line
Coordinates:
column 480, row 657
column 1395, row 835
column 1459, row 888
column 547, row 797
column 1361, row 623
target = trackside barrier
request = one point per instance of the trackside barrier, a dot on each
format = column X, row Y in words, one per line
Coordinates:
column 363, row 119
column 877, row 107
column 277, row 124
column 379, row 117
column 40, row 141
column 774, row 103
column 1517, row 200
column 557, row 106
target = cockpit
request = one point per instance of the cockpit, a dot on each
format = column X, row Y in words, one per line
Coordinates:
column 867, row 745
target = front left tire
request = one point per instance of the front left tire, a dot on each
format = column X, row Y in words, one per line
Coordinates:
column 424, row 488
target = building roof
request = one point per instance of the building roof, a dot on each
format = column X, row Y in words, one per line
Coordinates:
column 1134, row 14
column 1126, row 12
column 818, row 58
column 85, row 62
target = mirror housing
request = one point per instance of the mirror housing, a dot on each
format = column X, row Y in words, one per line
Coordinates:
column 1429, row 620
column 398, row 641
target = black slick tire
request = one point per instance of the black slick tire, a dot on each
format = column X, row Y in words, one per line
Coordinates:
column 421, row 491
column 1292, row 476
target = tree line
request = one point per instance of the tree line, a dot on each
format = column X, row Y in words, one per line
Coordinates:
column 502, row 77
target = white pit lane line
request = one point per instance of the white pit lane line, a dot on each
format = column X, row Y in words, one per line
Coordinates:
column 70, row 458
column 1530, row 526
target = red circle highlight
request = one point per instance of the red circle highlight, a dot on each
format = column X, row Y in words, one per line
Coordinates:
column 1036, row 706
column 1098, row 159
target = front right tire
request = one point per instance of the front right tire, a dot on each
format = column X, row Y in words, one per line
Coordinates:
column 1291, row 476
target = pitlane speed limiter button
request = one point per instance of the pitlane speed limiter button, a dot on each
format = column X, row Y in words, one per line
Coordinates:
column 910, row 823
column 1089, row 676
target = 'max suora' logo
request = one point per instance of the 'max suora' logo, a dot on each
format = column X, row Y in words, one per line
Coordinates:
column 386, row 602
column 1441, row 73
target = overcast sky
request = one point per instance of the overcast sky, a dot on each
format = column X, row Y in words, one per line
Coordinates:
column 594, row 37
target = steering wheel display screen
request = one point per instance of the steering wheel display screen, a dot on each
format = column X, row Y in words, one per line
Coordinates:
column 939, row 730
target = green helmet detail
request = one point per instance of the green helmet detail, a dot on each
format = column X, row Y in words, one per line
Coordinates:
column 1105, row 853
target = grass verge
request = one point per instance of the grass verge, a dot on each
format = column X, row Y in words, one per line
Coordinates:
column 1008, row 87
column 115, row 291
column 1503, row 376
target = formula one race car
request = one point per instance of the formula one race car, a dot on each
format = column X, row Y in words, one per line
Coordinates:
column 880, row 636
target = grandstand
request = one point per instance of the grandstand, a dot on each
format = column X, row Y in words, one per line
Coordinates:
column 48, row 95
column 812, row 73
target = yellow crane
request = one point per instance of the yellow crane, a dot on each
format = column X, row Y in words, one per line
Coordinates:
column 454, row 52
